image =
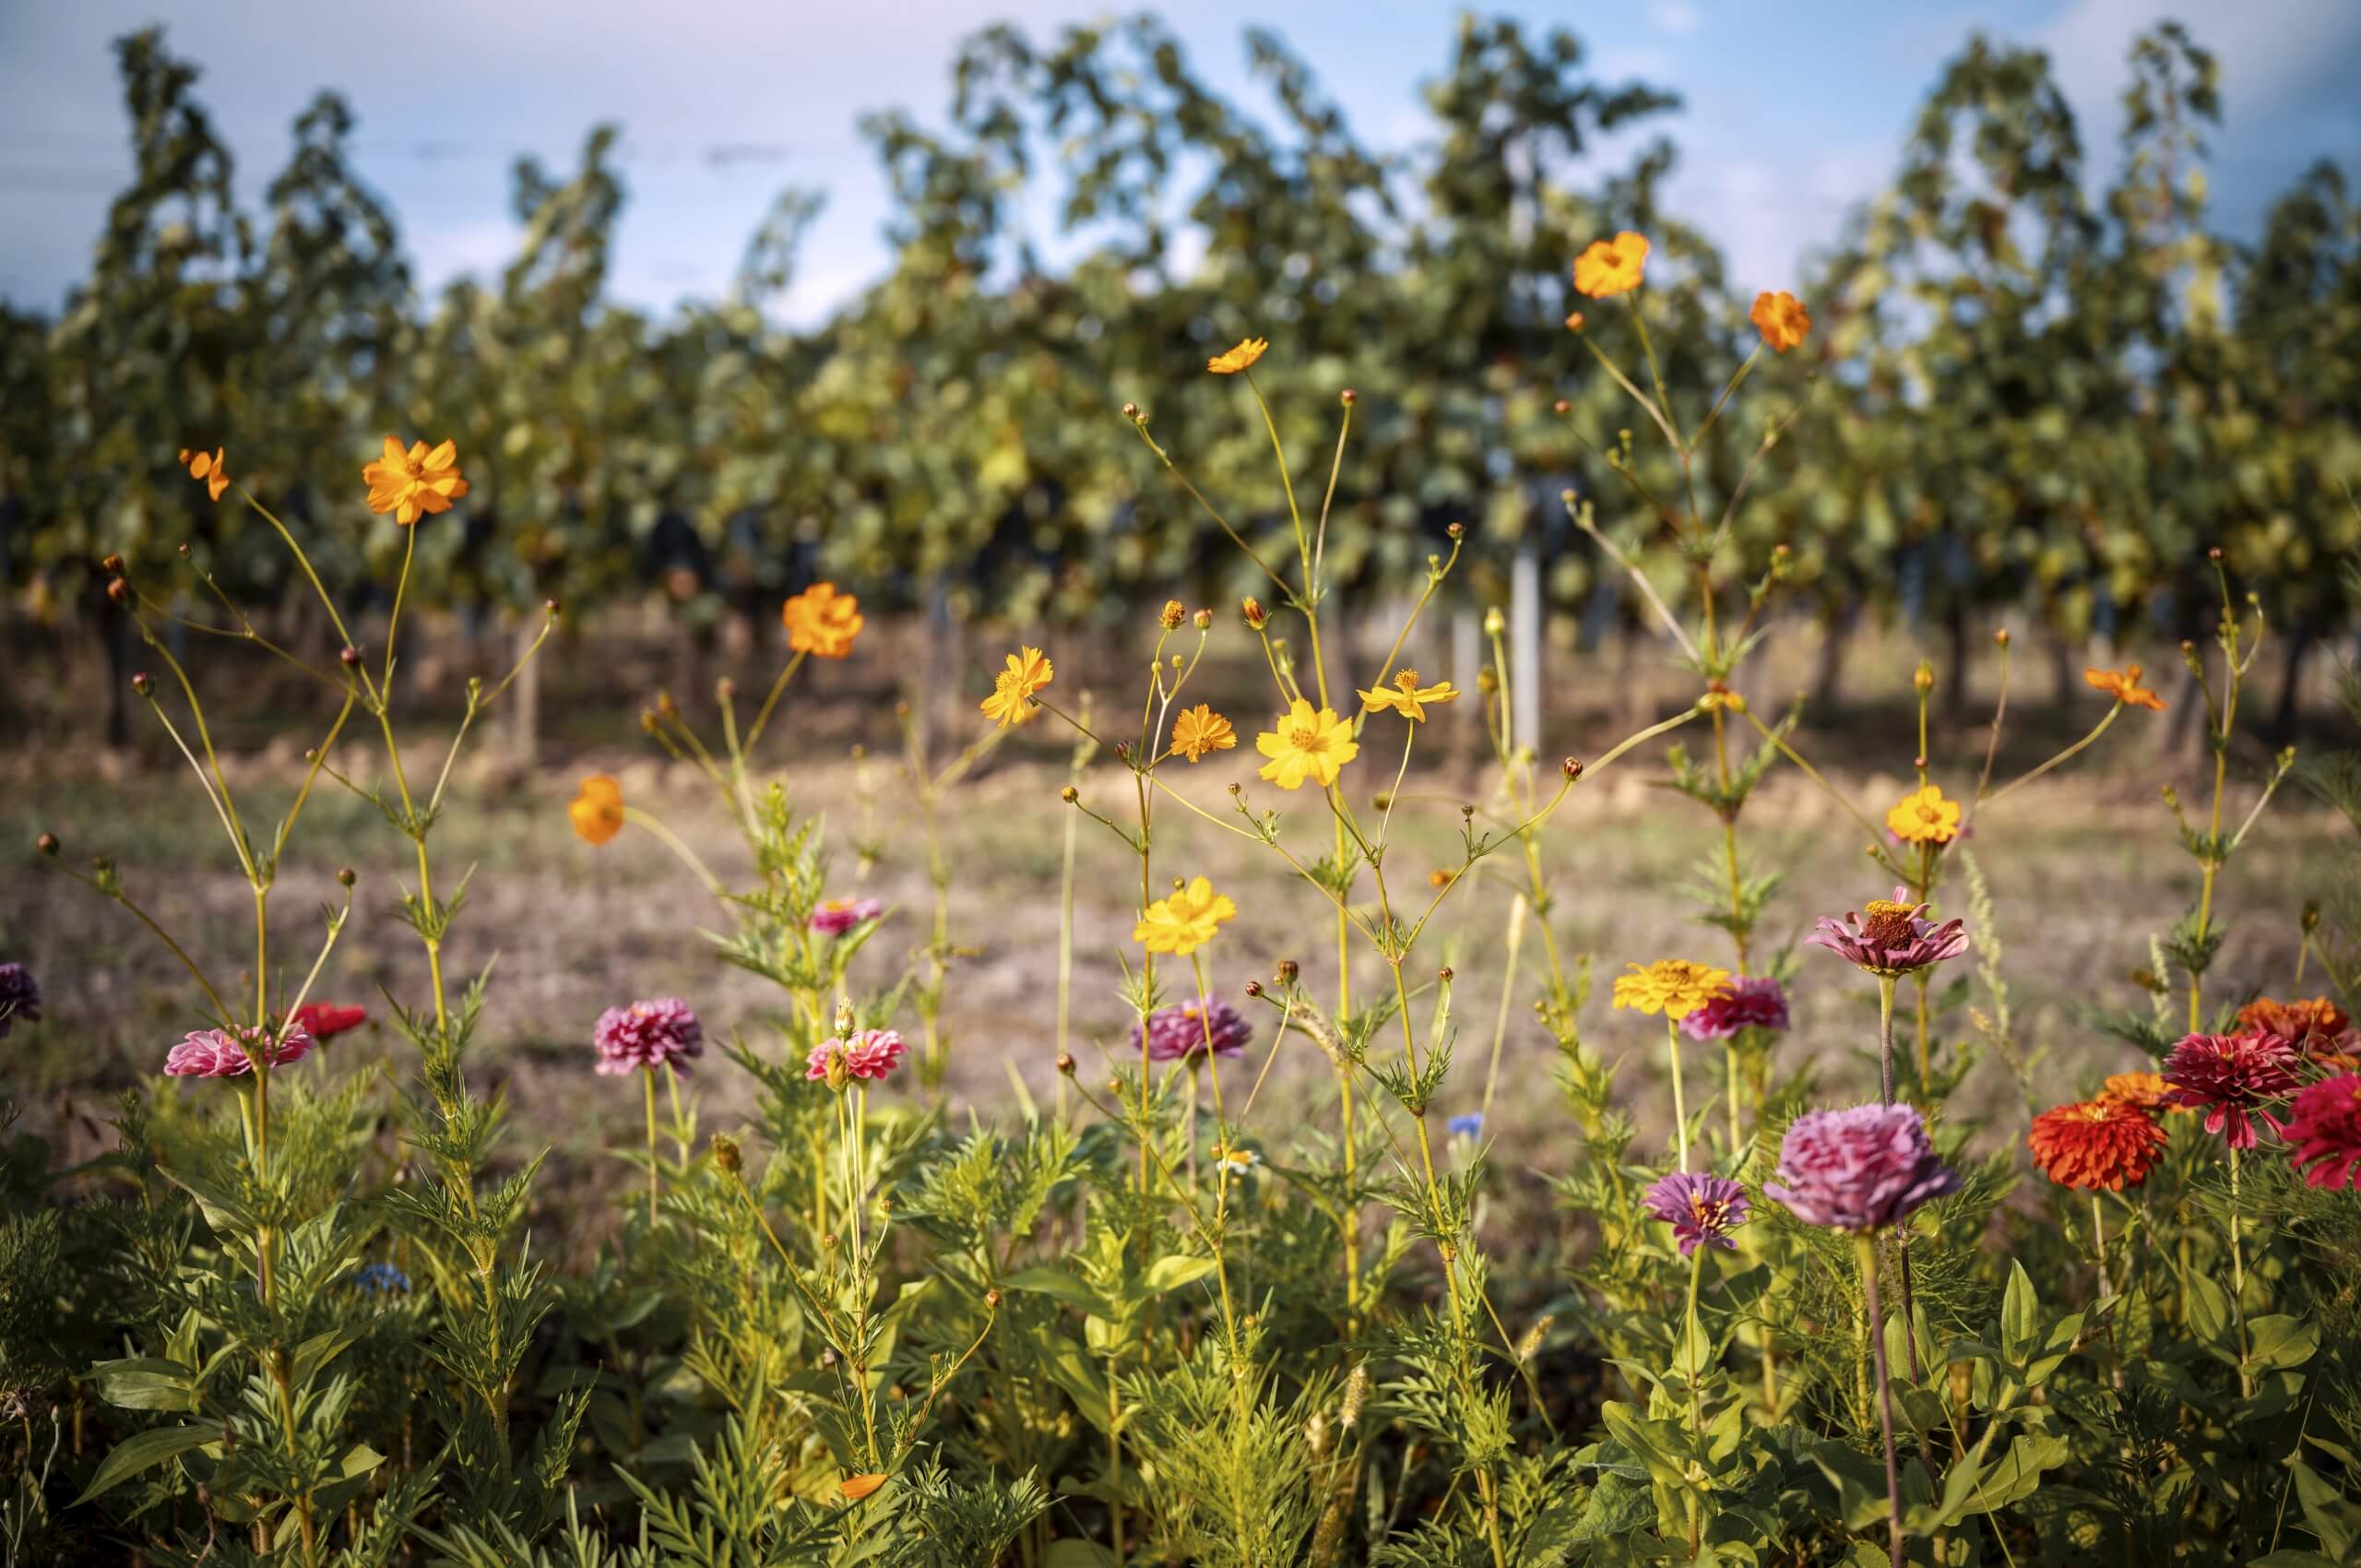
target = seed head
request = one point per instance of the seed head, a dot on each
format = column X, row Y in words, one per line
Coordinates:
column 1287, row 971
column 726, row 1156
column 1173, row 614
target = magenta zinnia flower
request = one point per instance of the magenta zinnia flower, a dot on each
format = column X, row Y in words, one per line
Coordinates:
column 325, row 1020
column 2324, row 1132
column 19, row 997
column 1699, row 1209
column 2228, row 1076
column 834, row 917
column 1753, row 1002
column 1179, row 1033
column 663, row 1033
column 1859, row 1170
column 219, row 1053
column 869, row 1054
column 1890, row 937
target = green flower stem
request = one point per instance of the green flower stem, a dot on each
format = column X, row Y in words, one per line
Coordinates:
column 647, row 1081
column 1679, row 1105
column 1865, row 1252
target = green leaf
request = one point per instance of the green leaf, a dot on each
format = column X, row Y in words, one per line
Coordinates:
column 1172, row 1271
column 144, row 1451
column 319, row 1350
column 2209, row 1311
column 1059, row 1283
column 2019, row 1316
column 143, row 1383
column 2279, row 1341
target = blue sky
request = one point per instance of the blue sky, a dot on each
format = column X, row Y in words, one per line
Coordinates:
column 1793, row 111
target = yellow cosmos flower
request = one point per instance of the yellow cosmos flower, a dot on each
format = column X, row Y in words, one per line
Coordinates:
column 1011, row 702
column 1781, row 319
column 1238, row 359
column 1407, row 697
column 596, row 811
column 1200, row 730
column 1611, row 267
column 1674, row 987
column 822, row 622
column 1923, row 816
column 415, row 483
column 2124, row 687
column 1186, row 920
column 206, row 466
column 1306, row 744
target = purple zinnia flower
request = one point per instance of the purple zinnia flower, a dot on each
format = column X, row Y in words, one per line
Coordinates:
column 1179, row 1033
column 1699, row 1209
column 834, row 917
column 2228, row 1076
column 1889, row 937
column 219, row 1053
column 19, row 997
column 1859, row 1170
column 1753, row 1002
column 647, row 1034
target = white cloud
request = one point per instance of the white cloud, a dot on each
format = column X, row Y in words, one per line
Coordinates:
column 1678, row 18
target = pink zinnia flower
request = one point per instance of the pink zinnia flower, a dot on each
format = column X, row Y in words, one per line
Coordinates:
column 325, row 1020
column 663, row 1033
column 1753, row 1002
column 834, row 917
column 1890, row 937
column 219, row 1053
column 2324, row 1132
column 1859, row 1170
column 1179, row 1033
column 869, row 1053
column 1699, row 1209
column 2228, row 1077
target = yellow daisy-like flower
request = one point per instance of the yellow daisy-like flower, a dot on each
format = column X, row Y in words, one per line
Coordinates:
column 1781, row 320
column 1186, row 920
column 1609, row 268
column 822, row 622
column 1238, row 359
column 206, row 466
column 1011, row 700
column 414, row 483
column 1674, row 987
column 1306, row 744
column 2124, row 687
column 1407, row 697
column 1200, row 730
column 1923, row 816
column 596, row 811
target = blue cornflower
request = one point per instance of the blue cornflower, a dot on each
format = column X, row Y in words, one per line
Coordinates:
column 1469, row 1124
column 380, row 1277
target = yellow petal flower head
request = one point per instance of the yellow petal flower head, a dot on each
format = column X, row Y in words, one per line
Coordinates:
column 1406, row 697
column 415, row 483
column 597, row 812
column 1200, row 730
column 1011, row 702
column 1609, row 268
column 2124, row 687
column 1185, row 921
column 206, row 466
column 1304, row 743
column 1240, row 358
column 1781, row 319
column 1674, row 987
column 822, row 622
column 1923, row 816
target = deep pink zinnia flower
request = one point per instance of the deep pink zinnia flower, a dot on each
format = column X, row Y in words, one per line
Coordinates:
column 1179, row 1033
column 325, row 1020
column 869, row 1054
column 663, row 1033
column 1699, row 1209
column 219, row 1053
column 1890, row 937
column 1754, row 1001
column 2228, row 1077
column 834, row 917
column 2324, row 1132
column 1859, row 1170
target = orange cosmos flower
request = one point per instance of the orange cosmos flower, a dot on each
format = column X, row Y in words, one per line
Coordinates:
column 2124, row 687
column 1200, row 730
column 207, row 467
column 2101, row 1143
column 855, row 1488
column 1240, row 358
column 596, row 811
column 1611, row 267
column 414, row 483
column 1781, row 319
column 822, row 622
column 1924, row 816
column 1011, row 700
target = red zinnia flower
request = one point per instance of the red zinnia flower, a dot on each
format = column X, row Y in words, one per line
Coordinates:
column 2101, row 1143
column 2325, row 1129
column 323, row 1020
column 2227, row 1077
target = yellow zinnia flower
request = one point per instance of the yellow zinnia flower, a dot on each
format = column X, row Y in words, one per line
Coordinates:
column 1781, row 319
column 1306, row 744
column 415, row 483
column 598, row 809
column 1200, row 730
column 206, row 466
column 822, row 622
column 1011, row 702
column 1611, row 267
column 1407, row 697
column 2124, row 687
column 1238, row 359
column 1186, row 920
column 1923, row 816
column 1674, row 987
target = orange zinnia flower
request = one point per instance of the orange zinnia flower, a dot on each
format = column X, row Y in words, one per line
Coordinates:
column 1611, row 267
column 206, row 466
column 414, row 483
column 2124, row 687
column 596, row 811
column 822, row 622
column 2146, row 1090
column 1240, row 358
column 1200, row 730
column 2317, row 1027
column 2102, row 1143
column 1781, row 319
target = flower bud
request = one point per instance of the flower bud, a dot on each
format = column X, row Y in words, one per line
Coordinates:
column 1455, row 531
column 844, row 1015
column 1234, row 786
column 346, row 876
column 1494, row 622
column 551, row 605
column 725, row 689
column 112, row 565
column 1440, row 878
column 184, row 549
column 1574, row 322
column 1487, row 681
column 991, row 1299
column 647, row 720
column 1253, row 610
column 2001, row 638
column 119, row 590
column 1923, row 678
column 141, row 684
column 1069, row 795
column 1066, row 1062
column 1572, row 768
column 1287, row 971
column 1174, row 613
column 47, row 845
column 1253, row 988
column 1204, row 619
column 1444, row 974
column 1348, row 396
column 349, row 658
column 2214, row 553
column 1122, row 749
column 726, row 1156
column 1561, row 408
column 1131, row 413
column 2310, row 919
